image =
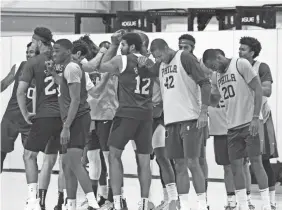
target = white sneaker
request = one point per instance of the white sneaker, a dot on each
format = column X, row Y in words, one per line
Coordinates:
column 268, row 207
column 32, row 204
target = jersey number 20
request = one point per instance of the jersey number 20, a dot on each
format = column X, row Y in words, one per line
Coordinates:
column 142, row 86
column 228, row 92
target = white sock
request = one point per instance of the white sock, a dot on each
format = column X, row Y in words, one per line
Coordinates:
column 249, row 198
column 231, row 200
column 264, row 193
column 184, row 201
column 65, row 194
column 104, row 191
column 202, row 200
column 117, row 201
column 71, row 204
column 172, row 192
column 122, row 192
column 272, row 197
column 165, row 194
column 92, row 200
column 144, row 203
column 242, row 199
column 32, row 191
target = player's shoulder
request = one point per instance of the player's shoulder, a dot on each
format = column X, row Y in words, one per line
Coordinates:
column 188, row 56
column 73, row 66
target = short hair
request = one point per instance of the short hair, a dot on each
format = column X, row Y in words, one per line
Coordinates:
column 81, row 46
column 220, row 51
column 187, row 37
column 252, row 43
column 93, row 49
column 133, row 39
column 45, row 34
column 158, row 44
column 210, row 54
column 65, row 43
column 104, row 43
column 28, row 45
column 144, row 37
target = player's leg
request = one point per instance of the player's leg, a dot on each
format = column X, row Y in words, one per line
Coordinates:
column 222, row 159
column 41, row 131
column 167, row 173
column 203, row 158
column 271, row 151
column 122, row 131
column 62, row 193
column 248, row 180
column 254, row 153
column 9, row 134
column 103, row 132
column 143, row 140
column 237, row 153
column 50, row 158
column 174, row 151
column 192, row 142
column 93, row 155
column 72, row 163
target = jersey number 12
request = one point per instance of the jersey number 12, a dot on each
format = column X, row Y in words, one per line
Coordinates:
column 142, row 86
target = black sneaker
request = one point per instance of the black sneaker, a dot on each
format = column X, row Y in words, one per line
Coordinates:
column 102, row 201
column 42, row 207
column 58, row 207
column 90, row 208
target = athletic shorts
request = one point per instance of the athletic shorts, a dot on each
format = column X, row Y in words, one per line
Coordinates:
column 242, row 144
column 79, row 131
column 184, row 140
column 98, row 138
column 158, row 139
column 221, row 150
column 9, row 133
column 269, row 146
column 126, row 129
column 44, row 135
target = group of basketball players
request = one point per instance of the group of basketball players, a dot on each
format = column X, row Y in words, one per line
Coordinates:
column 86, row 103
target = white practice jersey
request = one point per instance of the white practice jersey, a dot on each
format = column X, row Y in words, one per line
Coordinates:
column 238, row 97
column 180, row 93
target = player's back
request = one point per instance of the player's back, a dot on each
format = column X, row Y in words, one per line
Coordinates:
column 134, row 91
column 46, row 89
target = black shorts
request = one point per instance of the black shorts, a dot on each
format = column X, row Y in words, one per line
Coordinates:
column 126, row 129
column 9, row 133
column 44, row 135
column 79, row 131
column 158, row 121
column 241, row 144
column 98, row 138
column 221, row 150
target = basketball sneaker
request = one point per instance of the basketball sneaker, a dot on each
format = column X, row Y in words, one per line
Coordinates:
column 251, row 206
column 102, row 201
column 229, row 207
column 32, row 204
column 162, row 206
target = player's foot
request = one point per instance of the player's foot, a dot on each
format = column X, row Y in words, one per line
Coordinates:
column 273, row 207
column 151, row 206
column 173, row 205
column 42, row 207
column 91, row 208
column 251, row 207
column 102, row 201
column 229, row 207
column 84, row 204
column 32, row 204
column 162, row 206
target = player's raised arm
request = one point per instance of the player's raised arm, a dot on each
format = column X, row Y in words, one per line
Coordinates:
column 24, row 82
column 147, row 67
column 114, row 65
column 8, row 79
column 94, row 63
column 266, row 79
column 250, row 76
column 192, row 66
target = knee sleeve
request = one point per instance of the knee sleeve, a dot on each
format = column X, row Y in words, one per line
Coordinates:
column 94, row 164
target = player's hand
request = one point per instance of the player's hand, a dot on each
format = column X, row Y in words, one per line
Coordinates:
column 28, row 117
column 254, row 126
column 202, row 120
column 65, row 136
column 103, row 50
column 49, row 66
column 142, row 61
column 116, row 37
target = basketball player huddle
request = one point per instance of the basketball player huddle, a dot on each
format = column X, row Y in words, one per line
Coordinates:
column 90, row 102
